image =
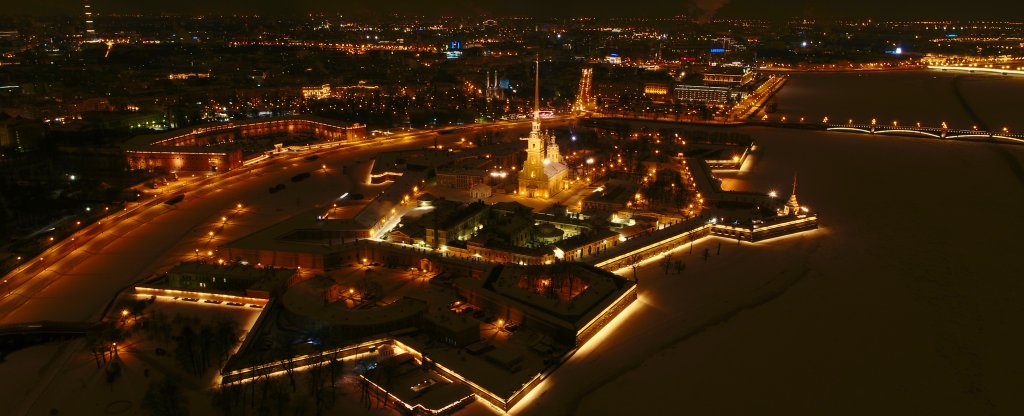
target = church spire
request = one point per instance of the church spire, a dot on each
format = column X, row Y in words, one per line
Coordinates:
column 535, row 132
column 536, row 90
column 792, row 206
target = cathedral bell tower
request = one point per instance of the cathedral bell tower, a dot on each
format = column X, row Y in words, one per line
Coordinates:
column 543, row 172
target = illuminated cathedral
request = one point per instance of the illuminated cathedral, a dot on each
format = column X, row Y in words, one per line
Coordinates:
column 543, row 174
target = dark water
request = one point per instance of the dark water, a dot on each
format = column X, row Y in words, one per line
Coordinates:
column 909, row 97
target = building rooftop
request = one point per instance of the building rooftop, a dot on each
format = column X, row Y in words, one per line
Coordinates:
column 599, row 287
column 240, row 277
column 583, row 239
column 415, row 385
column 510, row 206
column 613, row 192
column 307, row 299
column 727, row 70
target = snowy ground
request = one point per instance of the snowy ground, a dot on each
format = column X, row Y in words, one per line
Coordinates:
column 907, row 301
column 74, row 384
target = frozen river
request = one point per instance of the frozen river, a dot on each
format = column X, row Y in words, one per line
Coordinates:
column 908, row 300
column 929, row 97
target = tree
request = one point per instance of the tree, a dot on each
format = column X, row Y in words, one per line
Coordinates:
column 634, row 262
column 164, row 399
column 680, row 267
column 186, row 351
column 227, row 334
column 289, row 365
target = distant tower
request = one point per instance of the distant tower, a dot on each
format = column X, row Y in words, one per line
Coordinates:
column 90, row 29
column 792, row 206
column 492, row 85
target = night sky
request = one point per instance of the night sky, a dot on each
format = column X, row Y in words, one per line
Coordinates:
column 879, row 9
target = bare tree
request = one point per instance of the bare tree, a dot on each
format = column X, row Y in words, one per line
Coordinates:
column 634, row 262
column 164, row 399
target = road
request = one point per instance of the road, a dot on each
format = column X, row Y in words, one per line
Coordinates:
column 77, row 278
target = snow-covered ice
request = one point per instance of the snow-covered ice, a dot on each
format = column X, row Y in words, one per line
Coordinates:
column 906, row 301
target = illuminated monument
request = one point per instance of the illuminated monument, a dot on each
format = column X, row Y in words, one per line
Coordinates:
column 544, row 172
column 792, row 207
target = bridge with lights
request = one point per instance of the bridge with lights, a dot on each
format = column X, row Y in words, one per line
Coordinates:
column 934, row 132
column 895, row 129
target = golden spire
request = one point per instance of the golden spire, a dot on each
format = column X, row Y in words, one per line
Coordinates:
column 535, row 131
column 536, row 89
column 792, row 206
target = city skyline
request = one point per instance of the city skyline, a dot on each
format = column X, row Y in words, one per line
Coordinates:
column 735, row 9
column 363, row 213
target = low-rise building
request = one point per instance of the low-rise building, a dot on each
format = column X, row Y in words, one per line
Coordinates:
column 703, row 93
column 733, row 76
column 460, row 178
column 610, row 197
column 235, row 279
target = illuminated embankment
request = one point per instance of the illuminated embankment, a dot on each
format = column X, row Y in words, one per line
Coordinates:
column 978, row 69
